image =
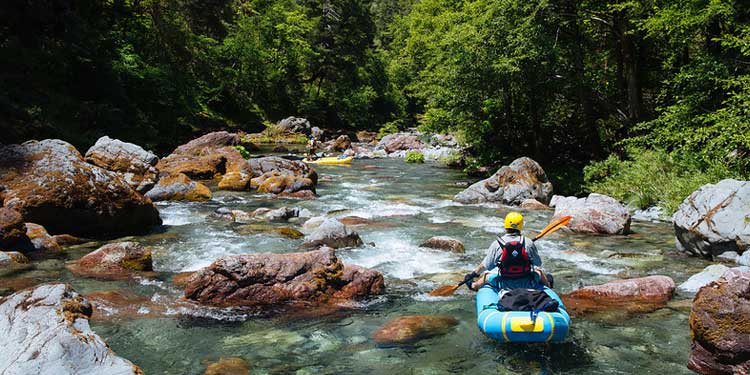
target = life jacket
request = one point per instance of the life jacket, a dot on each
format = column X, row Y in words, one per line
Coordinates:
column 514, row 260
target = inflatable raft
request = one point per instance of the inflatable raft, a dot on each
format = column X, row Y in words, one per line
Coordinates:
column 516, row 326
column 329, row 160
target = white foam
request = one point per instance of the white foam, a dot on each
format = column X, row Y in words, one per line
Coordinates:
column 178, row 213
column 551, row 250
column 385, row 209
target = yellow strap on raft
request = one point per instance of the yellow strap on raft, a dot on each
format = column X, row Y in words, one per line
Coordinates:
column 552, row 326
column 505, row 334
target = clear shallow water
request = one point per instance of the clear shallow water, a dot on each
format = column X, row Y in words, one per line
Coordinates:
column 405, row 204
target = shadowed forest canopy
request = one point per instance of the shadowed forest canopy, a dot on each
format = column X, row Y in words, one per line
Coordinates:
column 562, row 81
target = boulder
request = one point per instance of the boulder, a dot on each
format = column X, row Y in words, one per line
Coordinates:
column 365, row 136
column 279, row 183
column 596, row 213
column 720, row 326
column 511, row 185
column 12, row 258
column 714, row 219
column 224, row 163
column 342, row 143
column 133, row 163
column 533, row 204
column 178, row 187
column 49, row 183
column 12, row 231
column 263, row 165
column 708, row 275
column 208, row 141
column 412, row 328
column 281, row 214
column 332, row 233
column 228, row 366
column 400, row 141
column 444, row 243
column 640, row 295
column 41, row 240
column 294, row 125
column 272, row 279
column 120, row 260
column 46, row 330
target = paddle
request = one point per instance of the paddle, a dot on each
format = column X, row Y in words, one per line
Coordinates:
column 447, row 290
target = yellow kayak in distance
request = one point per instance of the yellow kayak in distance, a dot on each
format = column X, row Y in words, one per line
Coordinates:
column 329, row 160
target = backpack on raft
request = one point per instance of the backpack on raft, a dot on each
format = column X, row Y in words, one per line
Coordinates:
column 526, row 300
column 514, row 260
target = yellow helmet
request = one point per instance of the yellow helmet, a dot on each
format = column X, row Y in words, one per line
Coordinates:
column 514, row 220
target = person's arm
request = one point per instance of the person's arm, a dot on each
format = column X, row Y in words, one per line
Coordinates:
column 536, row 262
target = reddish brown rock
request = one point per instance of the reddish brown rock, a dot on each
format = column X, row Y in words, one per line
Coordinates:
column 41, row 240
column 401, row 141
column 208, row 141
column 49, row 183
column 412, row 328
column 278, row 183
column 354, row 220
column 444, row 243
column 12, row 231
column 228, row 366
column 533, row 204
column 114, row 261
column 720, row 326
column 178, row 187
column 365, row 136
column 640, row 295
column 269, row 279
column 341, row 143
column 125, row 305
column 182, row 279
column 12, row 259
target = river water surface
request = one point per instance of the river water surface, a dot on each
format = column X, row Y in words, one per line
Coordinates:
column 404, row 204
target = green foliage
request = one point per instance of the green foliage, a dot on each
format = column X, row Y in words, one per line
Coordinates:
column 389, row 128
column 414, row 157
column 245, row 154
column 652, row 177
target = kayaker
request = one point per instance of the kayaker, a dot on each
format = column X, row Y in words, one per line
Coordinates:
column 515, row 256
column 312, row 146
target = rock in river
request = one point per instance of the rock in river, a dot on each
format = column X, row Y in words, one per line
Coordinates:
column 512, row 184
column 412, row 328
column 178, row 187
column 709, row 274
column 114, row 261
column 50, row 184
column 714, row 219
column 638, row 295
column 596, row 213
column 268, row 279
column 12, row 230
column 133, row 163
column 332, row 233
column 46, row 330
column 444, row 243
column 720, row 326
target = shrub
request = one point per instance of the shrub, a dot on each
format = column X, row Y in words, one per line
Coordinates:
column 414, row 157
column 652, row 177
column 389, row 128
column 243, row 151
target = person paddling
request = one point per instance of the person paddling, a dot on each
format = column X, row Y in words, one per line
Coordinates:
column 312, row 146
column 516, row 258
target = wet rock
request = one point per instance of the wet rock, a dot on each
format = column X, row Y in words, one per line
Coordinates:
column 133, row 163
column 125, row 305
column 444, row 243
column 46, row 331
column 49, row 183
column 12, row 258
column 638, row 295
column 41, row 240
column 68, row 240
column 342, row 143
column 13, row 231
column 281, row 214
column 178, row 187
column 714, row 219
column 708, row 275
column 596, row 213
column 280, row 149
column 412, row 328
column 533, row 204
column 332, row 233
column 208, row 141
column 654, row 214
column 744, row 259
column 282, row 166
column 400, row 141
column 268, row 279
column 313, row 223
column 228, row 366
column 365, row 136
column 278, row 183
column 720, row 326
column 295, row 125
column 512, row 184
column 354, row 220
column 265, row 228
column 120, row 260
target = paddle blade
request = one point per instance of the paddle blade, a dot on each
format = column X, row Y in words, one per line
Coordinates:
column 553, row 226
column 445, row 290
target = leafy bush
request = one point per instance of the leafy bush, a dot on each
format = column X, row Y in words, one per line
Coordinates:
column 389, row 128
column 414, row 157
column 243, row 151
column 652, row 177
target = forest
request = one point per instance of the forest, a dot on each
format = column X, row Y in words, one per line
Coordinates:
column 629, row 90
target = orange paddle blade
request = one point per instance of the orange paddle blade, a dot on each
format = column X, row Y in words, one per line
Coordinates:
column 553, row 226
column 445, row 290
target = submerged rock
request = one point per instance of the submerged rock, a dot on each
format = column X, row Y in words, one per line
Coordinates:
column 133, row 163
column 41, row 240
column 12, row 258
column 46, row 330
column 13, row 231
column 708, row 275
column 444, row 243
column 114, row 261
column 332, row 233
column 720, row 326
column 512, row 184
column 178, row 187
column 596, row 213
column 270, row 279
column 228, row 366
column 638, row 295
column 714, row 219
column 49, row 183
column 412, row 328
